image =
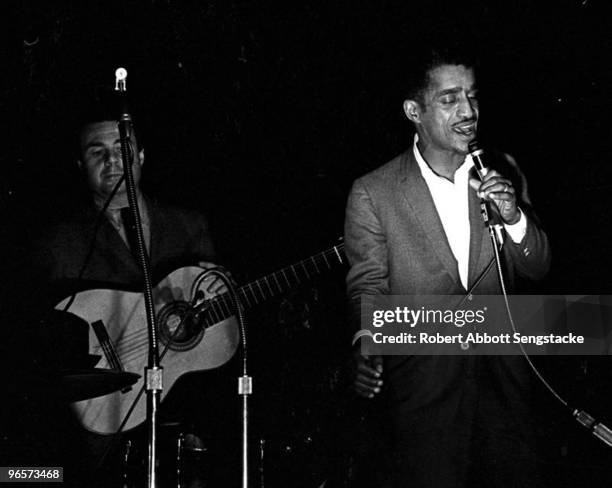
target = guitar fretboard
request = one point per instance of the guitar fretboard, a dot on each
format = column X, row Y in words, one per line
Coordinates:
column 269, row 286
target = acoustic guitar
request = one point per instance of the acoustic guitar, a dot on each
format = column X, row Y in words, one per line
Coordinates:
column 197, row 331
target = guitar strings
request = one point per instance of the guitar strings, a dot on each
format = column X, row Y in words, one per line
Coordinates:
column 134, row 347
column 133, row 341
column 129, row 339
column 219, row 307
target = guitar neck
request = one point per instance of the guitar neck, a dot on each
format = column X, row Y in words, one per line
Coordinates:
column 276, row 283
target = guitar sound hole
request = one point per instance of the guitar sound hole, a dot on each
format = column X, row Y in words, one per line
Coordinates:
column 177, row 333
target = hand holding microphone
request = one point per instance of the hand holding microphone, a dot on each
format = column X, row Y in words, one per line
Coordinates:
column 494, row 187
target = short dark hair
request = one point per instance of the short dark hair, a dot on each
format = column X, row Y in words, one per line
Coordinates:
column 103, row 105
column 421, row 64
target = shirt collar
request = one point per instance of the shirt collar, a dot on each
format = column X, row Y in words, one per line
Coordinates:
column 118, row 204
column 429, row 173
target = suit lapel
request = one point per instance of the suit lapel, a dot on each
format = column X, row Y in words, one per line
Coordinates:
column 476, row 235
column 416, row 194
column 110, row 243
column 157, row 227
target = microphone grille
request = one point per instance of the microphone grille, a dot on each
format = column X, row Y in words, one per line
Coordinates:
column 120, row 74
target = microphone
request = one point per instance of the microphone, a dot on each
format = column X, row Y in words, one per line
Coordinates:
column 120, row 77
column 477, row 156
column 125, row 119
column 490, row 218
column 198, row 307
column 197, row 311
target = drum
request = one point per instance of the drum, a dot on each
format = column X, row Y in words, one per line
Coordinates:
column 184, row 460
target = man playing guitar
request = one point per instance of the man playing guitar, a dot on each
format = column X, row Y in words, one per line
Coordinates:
column 93, row 248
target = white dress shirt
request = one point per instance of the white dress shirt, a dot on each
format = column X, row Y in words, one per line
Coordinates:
column 451, row 202
column 113, row 214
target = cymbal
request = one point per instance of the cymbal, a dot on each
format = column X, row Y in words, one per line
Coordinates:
column 83, row 384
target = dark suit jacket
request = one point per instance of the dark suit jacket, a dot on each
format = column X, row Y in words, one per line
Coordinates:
column 178, row 238
column 396, row 244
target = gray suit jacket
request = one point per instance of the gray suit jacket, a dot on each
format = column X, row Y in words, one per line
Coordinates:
column 396, row 244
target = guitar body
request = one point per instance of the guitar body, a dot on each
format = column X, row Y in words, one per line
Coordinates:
column 193, row 348
column 188, row 341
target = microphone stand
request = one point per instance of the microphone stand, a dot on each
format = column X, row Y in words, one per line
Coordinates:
column 245, row 382
column 153, row 371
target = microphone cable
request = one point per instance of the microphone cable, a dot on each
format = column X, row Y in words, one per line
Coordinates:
column 598, row 429
column 92, row 243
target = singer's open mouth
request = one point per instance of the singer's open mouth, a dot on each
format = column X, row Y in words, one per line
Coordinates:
column 465, row 129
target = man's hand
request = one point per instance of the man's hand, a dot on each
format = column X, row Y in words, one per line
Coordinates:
column 366, row 373
column 213, row 285
column 498, row 189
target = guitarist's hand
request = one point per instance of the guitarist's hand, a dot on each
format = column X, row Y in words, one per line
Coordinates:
column 366, row 372
column 214, row 284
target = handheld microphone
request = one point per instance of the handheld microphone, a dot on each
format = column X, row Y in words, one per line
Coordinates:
column 478, row 157
column 490, row 218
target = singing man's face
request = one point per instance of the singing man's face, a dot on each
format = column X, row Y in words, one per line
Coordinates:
column 101, row 158
column 449, row 117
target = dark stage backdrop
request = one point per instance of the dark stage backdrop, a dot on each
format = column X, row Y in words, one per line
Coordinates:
column 262, row 113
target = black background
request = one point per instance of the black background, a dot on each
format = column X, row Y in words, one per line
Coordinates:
column 261, row 114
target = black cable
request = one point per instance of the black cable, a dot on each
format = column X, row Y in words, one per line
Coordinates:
column 598, row 429
column 99, row 219
column 482, row 276
column 502, row 284
column 93, row 240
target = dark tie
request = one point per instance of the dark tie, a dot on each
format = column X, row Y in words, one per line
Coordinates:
column 130, row 230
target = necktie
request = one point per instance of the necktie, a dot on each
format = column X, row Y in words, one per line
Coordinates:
column 129, row 227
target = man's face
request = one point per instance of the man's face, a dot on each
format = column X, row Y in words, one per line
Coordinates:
column 449, row 116
column 101, row 158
